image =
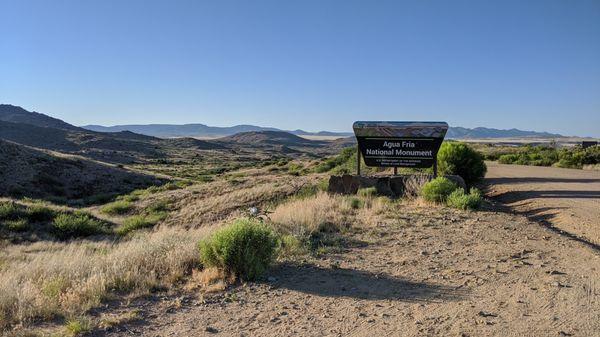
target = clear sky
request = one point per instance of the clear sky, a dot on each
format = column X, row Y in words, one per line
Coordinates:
column 315, row 65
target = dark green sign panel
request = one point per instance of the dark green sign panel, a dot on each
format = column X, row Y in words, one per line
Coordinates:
column 399, row 144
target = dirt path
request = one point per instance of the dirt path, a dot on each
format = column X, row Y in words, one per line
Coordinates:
column 422, row 272
column 567, row 199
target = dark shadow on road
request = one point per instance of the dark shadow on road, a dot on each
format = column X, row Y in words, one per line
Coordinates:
column 358, row 284
column 516, row 196
column 526, row 180
column 544, row 216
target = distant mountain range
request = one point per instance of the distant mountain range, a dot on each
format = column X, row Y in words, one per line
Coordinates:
column 201, row 130
column 15, row 114
column 205, row 131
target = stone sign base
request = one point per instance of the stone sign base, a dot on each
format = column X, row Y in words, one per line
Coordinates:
column 392, row 186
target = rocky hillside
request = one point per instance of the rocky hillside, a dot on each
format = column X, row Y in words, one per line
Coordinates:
column 34, row 173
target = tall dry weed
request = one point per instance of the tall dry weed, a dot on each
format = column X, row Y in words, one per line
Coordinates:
column 304, row 216
column 52, row 279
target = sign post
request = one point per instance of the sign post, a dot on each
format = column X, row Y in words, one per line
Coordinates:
column 399, row 144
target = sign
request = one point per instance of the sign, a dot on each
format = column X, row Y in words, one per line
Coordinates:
column 399, row 144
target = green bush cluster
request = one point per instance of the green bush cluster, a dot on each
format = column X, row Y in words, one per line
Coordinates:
column 459, row 159
column 78, row 224
column 154, row 213
column 540, row 155
column 343, row 161
column 17, row 218
column 443, row 190
column 117, row 207
column 462, row 200
column 438, row 189
column 245, row 248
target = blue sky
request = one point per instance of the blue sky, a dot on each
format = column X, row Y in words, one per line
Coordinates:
column 307, row 64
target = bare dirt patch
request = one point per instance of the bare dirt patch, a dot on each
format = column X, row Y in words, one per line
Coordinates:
column 421, row 271
column 566, row 199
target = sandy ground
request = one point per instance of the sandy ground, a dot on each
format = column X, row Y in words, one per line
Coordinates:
column 565, row 199
column 422, row 271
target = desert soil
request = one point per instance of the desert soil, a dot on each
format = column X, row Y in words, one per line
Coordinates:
column 422, row 271
column 565, row 199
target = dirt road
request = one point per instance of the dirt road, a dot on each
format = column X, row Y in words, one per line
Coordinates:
column 565, row 199
column 423, row 271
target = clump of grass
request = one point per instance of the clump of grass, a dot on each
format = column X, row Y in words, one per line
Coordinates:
column 291, row 246
column 295, row 169
column 245, row 248
column 39, row 212
column 461, row 200
column 10, row 210
column 120, row 319
column 19, row 225
column 438, row 189
column 356, row 203
column 78, row 326
column 157, row 207
column 68, row 225
column 140, row 221
column 60, row 279
column 301, row 217
column 368, row 192
column 117, row 207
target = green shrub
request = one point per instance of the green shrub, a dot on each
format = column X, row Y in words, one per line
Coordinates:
column 461, row 200
column 438, row 189
column 356, row 203
column 78, row 326
column 68, row 225
column 460, row 159
column 368, row 192
column 117, row 207
column 38, row 212
column 245, row 248
column 10, row 210
column 159, row 206
column 291, row 246
column 16, row 225
column 136, row 222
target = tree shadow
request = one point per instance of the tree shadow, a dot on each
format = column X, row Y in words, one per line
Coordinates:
column 525, row 180
column 358, row 284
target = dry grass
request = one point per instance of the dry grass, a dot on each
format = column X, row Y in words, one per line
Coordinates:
column 218, row 201
column 112, row 320
column 322, row 212
column 209, row 280
column 45, row 280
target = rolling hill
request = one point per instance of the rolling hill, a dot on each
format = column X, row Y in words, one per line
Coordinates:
column 41, row 131
column 16, row 114
column 34, row 173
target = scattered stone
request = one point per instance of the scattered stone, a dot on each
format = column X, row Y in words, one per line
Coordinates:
column 487, row 314
column 210, row 329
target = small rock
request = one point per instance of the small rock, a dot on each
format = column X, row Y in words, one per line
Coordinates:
column 487, row 314
column 210, row 329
